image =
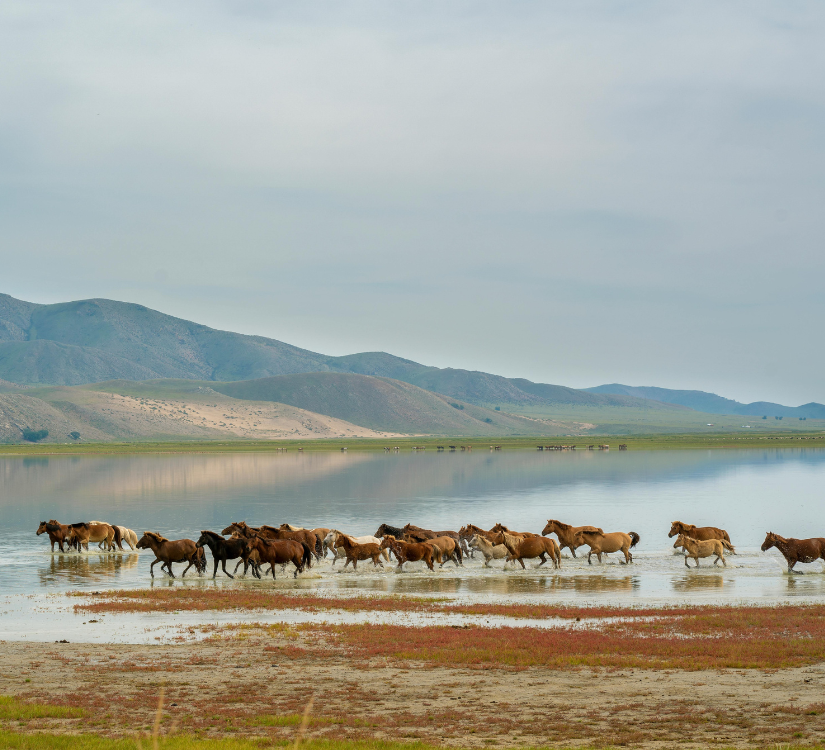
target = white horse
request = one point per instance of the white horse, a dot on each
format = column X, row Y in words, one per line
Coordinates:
column 488, row 549
column 126, row 535
column 331, row 543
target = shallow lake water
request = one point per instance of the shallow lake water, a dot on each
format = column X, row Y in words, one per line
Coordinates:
column 747, row 492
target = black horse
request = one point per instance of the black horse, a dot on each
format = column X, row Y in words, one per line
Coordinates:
column 385, row 529
column 222, row 549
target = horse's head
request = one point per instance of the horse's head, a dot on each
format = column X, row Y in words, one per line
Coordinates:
column 150, row 539
column 677, row 527
column 553, row 526
column 381, row 531
column 204, row 538
column 680, row 541
column 387, row 541
column 770, row 541
column 42, row 528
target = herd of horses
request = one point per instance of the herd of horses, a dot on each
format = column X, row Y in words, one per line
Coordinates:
column 257, row 546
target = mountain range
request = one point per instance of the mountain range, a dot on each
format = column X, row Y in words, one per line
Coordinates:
column 48, row 351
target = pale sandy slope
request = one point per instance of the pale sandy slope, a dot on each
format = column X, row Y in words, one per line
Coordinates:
column 106, row 416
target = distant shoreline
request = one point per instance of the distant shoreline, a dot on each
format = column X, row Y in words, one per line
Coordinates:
column 428, row 444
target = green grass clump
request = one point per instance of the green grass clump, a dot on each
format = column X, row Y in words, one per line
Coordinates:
column 13, row 709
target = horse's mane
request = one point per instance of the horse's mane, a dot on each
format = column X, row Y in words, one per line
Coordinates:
column 214, row 535
column 562, row 526
column 155, row 535
column 81, row 525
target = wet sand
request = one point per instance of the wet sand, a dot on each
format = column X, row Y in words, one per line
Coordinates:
column 225, row 687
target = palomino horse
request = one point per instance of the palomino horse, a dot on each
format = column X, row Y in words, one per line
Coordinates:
column 355, row 551
column 488, row 549
column 58, row 533
column 279, row 552
column 526, row 547
column 796, row 550
column 168, row 552
column 408, row 551
column 567, row 534
column 446, row 548
column 705, row 548
column 333, row 541
column 82, row 534
column 701, row 533
column 613, row 542
column 126, row 535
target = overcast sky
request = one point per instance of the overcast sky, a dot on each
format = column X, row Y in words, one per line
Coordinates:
column 574, row 192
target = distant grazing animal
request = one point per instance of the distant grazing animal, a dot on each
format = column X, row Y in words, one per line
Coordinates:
column 613, row 542
column 488, row 549
column 58, row 533
column 567, row 534
column 168, row 552
column 521, row 548
column 705, row 548
column 796, row 550
column 701, row 533
column 408, row 551
column 355, row 551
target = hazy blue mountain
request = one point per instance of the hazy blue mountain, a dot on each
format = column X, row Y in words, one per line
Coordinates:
column 710, row 403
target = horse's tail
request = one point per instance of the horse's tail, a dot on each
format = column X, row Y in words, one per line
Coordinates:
column 727, row 545
column 307, row 556
column 118, row 537
column 319, row 547
column 634, row 539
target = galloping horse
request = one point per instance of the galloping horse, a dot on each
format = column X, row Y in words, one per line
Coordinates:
column 613, row 542
column 58, row 533
column 385, row 528
column 500, row 528
column 446, row 548
column 408, row 551
column 567, row 534
column 705, row 548
column 355, row 551
column 521, row 548
column 701, row 533
column 221, row 549
column 488, row 549
column 278, row 552
column 796, row 550
column 168, row 552
column 333, row 541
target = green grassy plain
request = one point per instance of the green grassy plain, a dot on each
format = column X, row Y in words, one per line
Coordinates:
column 756, row 440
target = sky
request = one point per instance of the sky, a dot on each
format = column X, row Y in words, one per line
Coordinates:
column 572, row 192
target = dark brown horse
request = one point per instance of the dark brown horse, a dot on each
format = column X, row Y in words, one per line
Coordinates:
column 796, row 550
column 279, row 552
column 408, row 551
column 303, row 535
column 58, row 533
column 567, row 534
column 168, row 552
column 356, row 552
column 222, row 549
column 701, row 533
column 417, row 534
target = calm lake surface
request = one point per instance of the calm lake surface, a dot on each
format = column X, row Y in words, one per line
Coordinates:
column 747, row 492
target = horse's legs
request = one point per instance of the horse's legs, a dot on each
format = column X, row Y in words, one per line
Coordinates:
column 151, row 569
column 589, row 561
column 521, row 560
column 223, row 565
column 541, row 557
column 215, row 569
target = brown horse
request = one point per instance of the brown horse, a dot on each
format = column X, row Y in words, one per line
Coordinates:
column 417, row 534
column 567, row 534
column 81, row 534
column 445, row 549
column 168, row 552
column 796, row 550
column 279, row 552
column 356, row 552
column 408, row 551
column 701, row 533
column 500, row 528
column 303, row 535
column 320, row 532
column 58, row 533
column 705, row 548
column 613, row 542
column 527, row 547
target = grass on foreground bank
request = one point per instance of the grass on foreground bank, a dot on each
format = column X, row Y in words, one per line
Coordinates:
column 430, row 444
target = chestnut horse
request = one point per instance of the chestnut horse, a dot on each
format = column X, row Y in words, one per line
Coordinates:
column 408, row 551
column 81, row 534
column 612, row 542
column 58, row 533
column 446, row 548
column 521, row 548
column 701, row 533
column 278, row 552
column 796, row 550
column 355, row 551
column 501, row 528
column 704, row 548
column 567, row 534
column 168, row 552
